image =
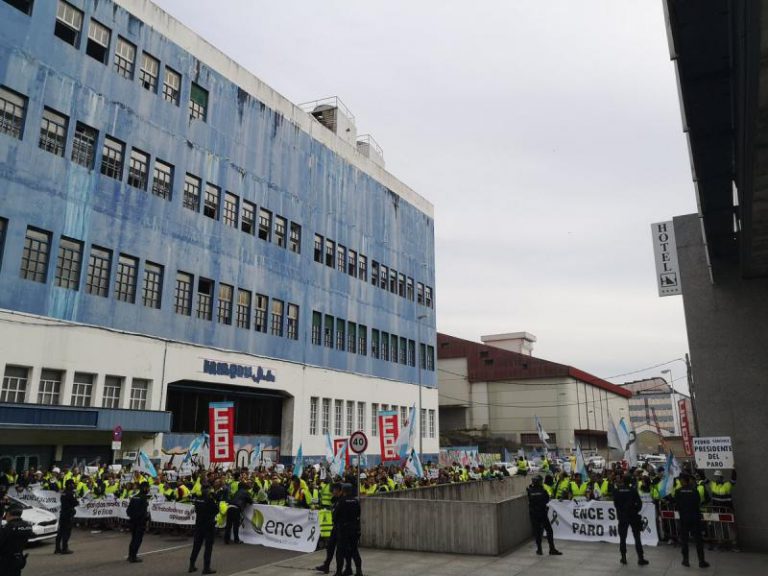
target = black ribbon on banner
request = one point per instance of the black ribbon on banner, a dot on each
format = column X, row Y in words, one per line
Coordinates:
column 312, row 534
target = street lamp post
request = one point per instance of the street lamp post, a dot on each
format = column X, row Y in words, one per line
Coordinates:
column 675, row 407
column 421, row 360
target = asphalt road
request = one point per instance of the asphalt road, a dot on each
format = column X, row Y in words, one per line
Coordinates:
column 105, row 554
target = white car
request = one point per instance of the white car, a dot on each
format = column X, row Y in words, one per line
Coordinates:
column 45, row 524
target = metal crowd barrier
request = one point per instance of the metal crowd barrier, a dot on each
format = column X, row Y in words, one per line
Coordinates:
column 719, row 525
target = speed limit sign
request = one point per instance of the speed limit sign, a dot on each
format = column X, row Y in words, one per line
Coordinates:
column 358, row 442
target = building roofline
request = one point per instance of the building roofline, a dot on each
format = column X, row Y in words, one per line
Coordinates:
column 166, row 25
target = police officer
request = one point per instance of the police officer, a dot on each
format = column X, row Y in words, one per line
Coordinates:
column 206, row 509
column 138, row 516
column 66, row 515
column 346, row 520
column 628, row 505
column 13, row 537
column 688, row 502
column 538, row 497
column 330, row 548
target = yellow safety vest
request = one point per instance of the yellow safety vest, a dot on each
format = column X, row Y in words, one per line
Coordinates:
column 326, row 523
column 578, row 491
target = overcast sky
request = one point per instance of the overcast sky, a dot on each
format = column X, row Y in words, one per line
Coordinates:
column 547, row 134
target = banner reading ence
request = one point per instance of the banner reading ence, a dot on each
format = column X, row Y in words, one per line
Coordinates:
column 279, row 527
column 595, row 521
column 221, row 417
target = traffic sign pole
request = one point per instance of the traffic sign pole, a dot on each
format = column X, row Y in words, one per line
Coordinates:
column 358, row 442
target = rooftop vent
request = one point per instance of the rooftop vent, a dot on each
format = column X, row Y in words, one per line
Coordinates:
column 369, row 148
column 521, row 342
column 334, row 115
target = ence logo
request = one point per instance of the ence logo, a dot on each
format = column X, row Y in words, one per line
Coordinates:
column 276, row 528
column 258, row 521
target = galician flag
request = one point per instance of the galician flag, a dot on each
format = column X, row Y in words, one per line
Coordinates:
column 413, row 464
column 298, row 467
column 404, row 442
column 144, row 464
column 628, row 442
column 581, row 465
column 329, row 455
column 255, row 457
column 339, row 460
column 671, row 471
column 543, row 436
column 198, row 442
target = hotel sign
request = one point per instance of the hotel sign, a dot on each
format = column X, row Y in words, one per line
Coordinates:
column 665, row 253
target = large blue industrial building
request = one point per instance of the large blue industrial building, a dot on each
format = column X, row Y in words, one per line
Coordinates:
column 163, row 212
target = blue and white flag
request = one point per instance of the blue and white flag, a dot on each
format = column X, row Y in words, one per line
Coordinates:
column 144, row 464
column 413, row 464
column 298, row 467
column 543, row 436
column 255, row 457
column 581, row 464
column 404, row 442
column 628, row 442
column 614, row 439
column 339, row 460
column 671, row 471
column 198, row 442
column 329, row 453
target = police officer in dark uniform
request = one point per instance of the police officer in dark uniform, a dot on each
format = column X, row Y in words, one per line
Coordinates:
column 538, row 498
column 138, row 516
column 330, row 547
column 66, row 515
column 688, row 502
column 628, row 506
column 206, row 509
column 13, row 537
column 346, row 519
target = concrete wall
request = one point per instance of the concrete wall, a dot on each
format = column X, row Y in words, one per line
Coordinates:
column 728, row 337
column 483, row 491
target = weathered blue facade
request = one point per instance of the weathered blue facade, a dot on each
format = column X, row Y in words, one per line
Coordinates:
column 242, row 147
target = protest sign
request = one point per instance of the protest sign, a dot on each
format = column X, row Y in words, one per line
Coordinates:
column 280, row 527
column 595, row 521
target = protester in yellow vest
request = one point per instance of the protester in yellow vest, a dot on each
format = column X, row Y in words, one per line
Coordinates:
column 722, row 490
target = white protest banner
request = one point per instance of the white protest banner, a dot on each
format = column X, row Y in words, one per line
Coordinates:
column 172, row 513
column 101, row 508
column 595, row 521
column 280, row 527
column 38, row 498
column 714, row 452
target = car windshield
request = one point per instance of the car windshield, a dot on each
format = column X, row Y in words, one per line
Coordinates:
column 20, row 503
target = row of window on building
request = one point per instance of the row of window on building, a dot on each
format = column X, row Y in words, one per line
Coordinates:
column 343, row 335
column 349, row 416
column 348, row 261
column 226, row 207
column 283, row 320
column 18, row 387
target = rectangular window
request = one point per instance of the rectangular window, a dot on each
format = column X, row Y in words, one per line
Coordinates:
column 198, row 103
column 341, row 258
column 411, row 353
column 139, row 394
column 403, row 351
column 352, row 337
column 98, row 41
column 317, row 328
column 14, row 384
column 338, row 423
column 13, row 108
column 340, row 336
column 82, row 389
column 211, row 207
column 69, row 23
column 326, row 423
column 99, row 266
column 401, row 285
column 350, row 417
column 204, row 298
column 419, row 293
column 352, row 263
column 277, row 317
column 393, row 280
column 374, row 343
column 84, row 145
column 403, row 414
column 431, row 423
column 385, row 346
column 138, row 169
column 280, row 231
column 260, row 316
column 125, row 58
column 34, row 259
column 430, row 358
column 22, row 5
column 330, row 253
column 192, row 192
column 112, row 387
column 422, row 357
column 125, row 281
column 313, row 401
column 423, row 422
column 112, row 158
column 328, row 331
column 171, row 86
column 162, row 180
column 69, row 263
column 374, row 273
column 409, row 288
column 247, row 218
column 374, row 419
column 428, row 297
column 318, row 253
column 224, row 310
column 384, row 277
column 265, row 224
column 53, row 132
column 393, row 349
column 362, row 268
column 150, row 68
column 229, row 215
column 361, row 416
column 182, row 299
column 293, row 322
column 294, row 239
column 152, row 290
column 243, row 314
column 50, row 386
column 362, row 340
